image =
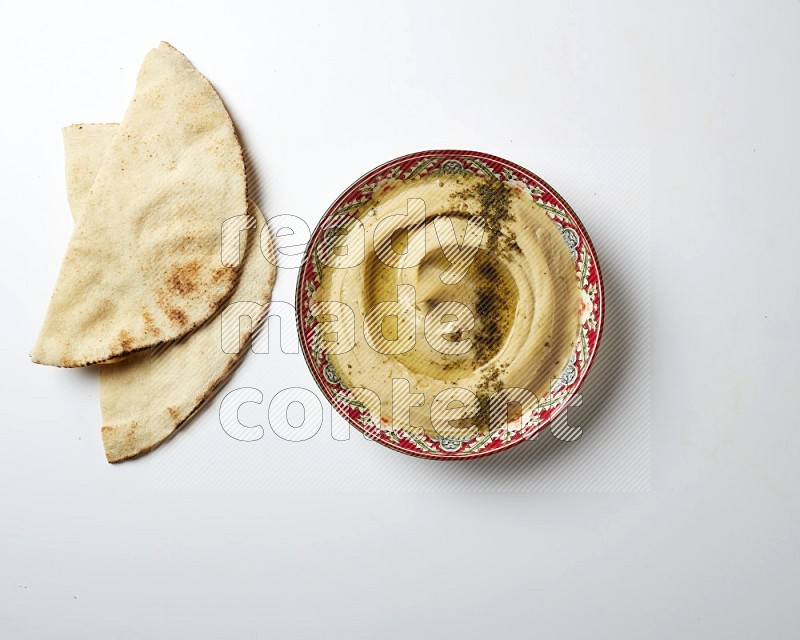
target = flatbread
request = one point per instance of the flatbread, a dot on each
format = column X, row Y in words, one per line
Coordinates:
column 143, row 265
column 85, row 149
column 148, row 396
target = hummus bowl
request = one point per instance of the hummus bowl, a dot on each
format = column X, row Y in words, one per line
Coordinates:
column 450, row 304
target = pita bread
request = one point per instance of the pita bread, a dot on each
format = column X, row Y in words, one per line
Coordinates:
column 148, row 396
column 85, row 150
column 143, row 265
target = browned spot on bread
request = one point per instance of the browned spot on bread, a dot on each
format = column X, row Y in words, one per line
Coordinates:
column 106, row 429
column 131, row 434
column 176, row 315
column 184, row 280
column 149, row 326
column 125, row 340
column 173, row 413
column 219, row 273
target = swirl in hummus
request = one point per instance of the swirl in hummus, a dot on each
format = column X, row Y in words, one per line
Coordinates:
column 462, row 289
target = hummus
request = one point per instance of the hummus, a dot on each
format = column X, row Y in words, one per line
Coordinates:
column 461, row 289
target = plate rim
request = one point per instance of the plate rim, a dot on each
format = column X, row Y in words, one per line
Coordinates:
column 455, row 153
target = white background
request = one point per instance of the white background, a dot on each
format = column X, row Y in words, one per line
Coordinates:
column 670, row 129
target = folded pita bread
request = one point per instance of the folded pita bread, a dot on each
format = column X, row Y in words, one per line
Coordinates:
column 146, row 397
column 143, row 265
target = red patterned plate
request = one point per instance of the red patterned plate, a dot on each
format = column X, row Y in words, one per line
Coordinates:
column 323, row 345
